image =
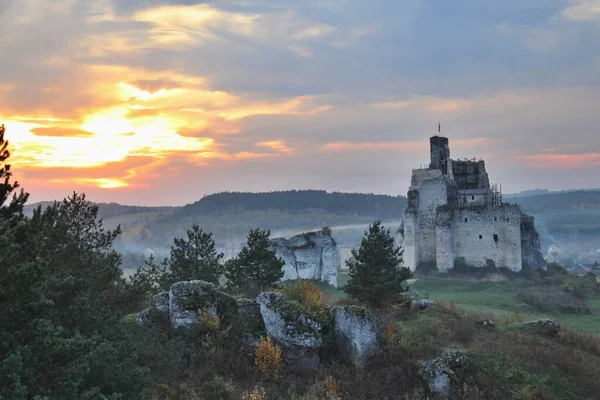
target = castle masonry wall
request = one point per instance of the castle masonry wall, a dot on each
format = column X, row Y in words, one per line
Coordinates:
column 432, row 194
column 481, row 235
column 410, row 245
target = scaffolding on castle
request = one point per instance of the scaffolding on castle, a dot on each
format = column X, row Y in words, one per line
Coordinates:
column 496, row 195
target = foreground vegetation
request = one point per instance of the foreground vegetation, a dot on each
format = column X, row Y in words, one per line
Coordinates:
column 67, row 332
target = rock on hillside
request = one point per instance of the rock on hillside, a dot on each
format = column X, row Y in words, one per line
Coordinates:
column 310, row 255
column 356, row 333
column 302, row 333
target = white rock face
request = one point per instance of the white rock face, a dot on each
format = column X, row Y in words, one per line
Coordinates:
column 180, row 291
column 356, row 333
column 296, row 331
column 311, row 255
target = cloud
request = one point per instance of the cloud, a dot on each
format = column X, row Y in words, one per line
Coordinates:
column 332, row 94
column 583, row 10
column 569, row 161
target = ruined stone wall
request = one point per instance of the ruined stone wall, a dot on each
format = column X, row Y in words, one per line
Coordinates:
column 481, row 234
column 408, row 240
column 420, row 175
column 432, row 194
column 470, row 174
column 444, row 242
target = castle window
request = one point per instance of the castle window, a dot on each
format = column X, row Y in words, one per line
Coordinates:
column 507, row 219
column 496, row 237
column 480, row 237
column 495, row 218
column 472, row 197
column 466, row 219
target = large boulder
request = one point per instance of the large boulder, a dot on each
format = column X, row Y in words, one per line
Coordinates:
column 295, row 329
column 356, row 333
column 442, row 374
column 310, row 255
column 187, row 299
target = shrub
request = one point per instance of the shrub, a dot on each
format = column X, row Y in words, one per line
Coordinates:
column 305, row 292
column 268, row 358
column 257, row 393
column 208, row 320
column 216, row 389
column 553, row 299
column 331, row 388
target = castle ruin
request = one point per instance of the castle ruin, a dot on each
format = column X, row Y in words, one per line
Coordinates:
column 453, row 214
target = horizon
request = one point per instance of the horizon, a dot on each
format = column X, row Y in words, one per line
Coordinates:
column 161, row 102
column 546, row 191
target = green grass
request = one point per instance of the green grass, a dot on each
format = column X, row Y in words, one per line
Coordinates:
column 499, row 299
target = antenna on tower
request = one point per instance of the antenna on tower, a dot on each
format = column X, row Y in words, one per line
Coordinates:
column 439, row 127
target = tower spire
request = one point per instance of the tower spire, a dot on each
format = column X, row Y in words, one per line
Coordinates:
column 439, row 127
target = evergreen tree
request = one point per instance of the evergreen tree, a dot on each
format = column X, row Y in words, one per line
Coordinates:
column 61, row 302
column 256, row 266
column 195, row 258
column 375, row 273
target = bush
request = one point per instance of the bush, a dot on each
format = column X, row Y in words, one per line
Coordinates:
column 268, row 358
column 553, row 299
column 305, row 292
column 216, row 389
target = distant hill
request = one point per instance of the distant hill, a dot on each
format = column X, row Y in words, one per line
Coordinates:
column 231, row 214
column 107, row 210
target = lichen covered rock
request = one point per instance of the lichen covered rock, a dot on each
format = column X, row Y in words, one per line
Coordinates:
column 541, row 326
column 188, row 298
column 161, row 302
column 249, row 323
column 293, row 328
column 356, row 333
column 440, row 374
column 310, row 255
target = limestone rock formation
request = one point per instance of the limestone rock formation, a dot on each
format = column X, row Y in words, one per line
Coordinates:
column 440, row 373
column 310, row 255
column 541, row 326
column 356, row 333
column 300, row 331
column 188, row 298
column 297, row 331
column 161, row 302
column 531, row 249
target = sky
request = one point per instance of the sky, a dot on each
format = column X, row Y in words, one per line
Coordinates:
column 160, row 102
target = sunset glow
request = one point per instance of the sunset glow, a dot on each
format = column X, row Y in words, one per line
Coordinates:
column 123, row 97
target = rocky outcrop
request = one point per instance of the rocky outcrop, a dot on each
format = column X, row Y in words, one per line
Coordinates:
column 310, row 255
column 355, row 332
column 440, row 374
column 293, row 328
column 542, row 326
column 302, row 332
column 531, row 248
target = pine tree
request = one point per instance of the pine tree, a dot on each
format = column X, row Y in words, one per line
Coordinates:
column 61, row 297
column 195, row 258
column 375, row 273
column 256, row 266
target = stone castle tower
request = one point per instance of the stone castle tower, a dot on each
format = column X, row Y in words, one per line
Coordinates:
column 454, row 214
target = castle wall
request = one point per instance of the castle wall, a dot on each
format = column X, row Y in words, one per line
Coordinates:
column 432, row 194
column 444, row 242
column 481, row 234
column 420, row 175
column 409, row 243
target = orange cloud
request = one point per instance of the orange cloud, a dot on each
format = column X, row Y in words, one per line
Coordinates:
column 277, row 145
column 562, row 160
